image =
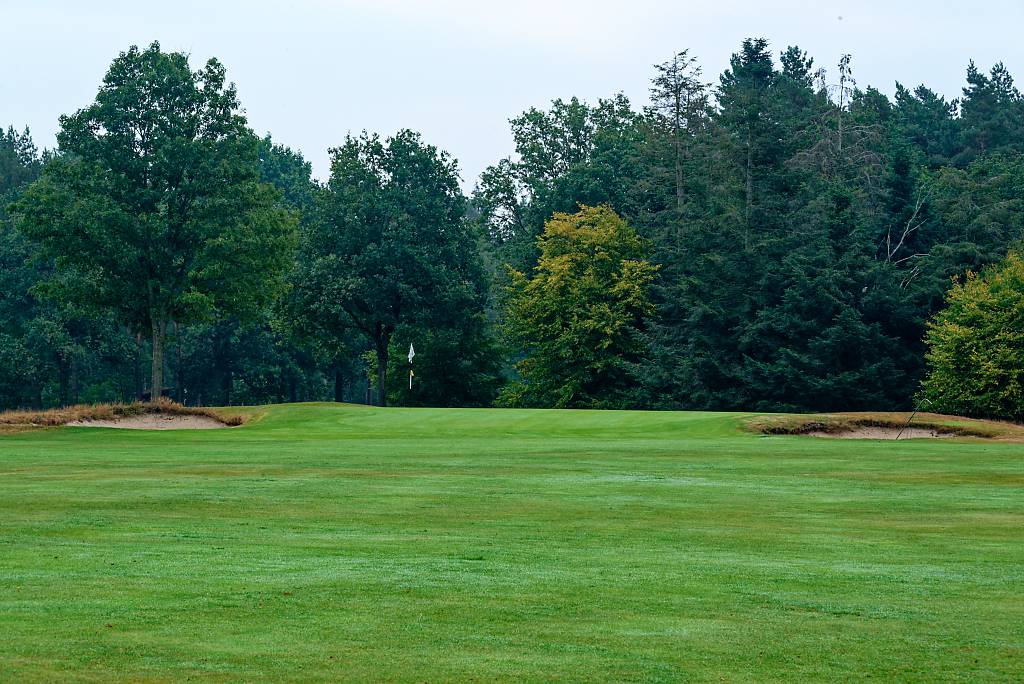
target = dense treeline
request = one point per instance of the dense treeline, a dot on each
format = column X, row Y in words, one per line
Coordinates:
column 777, row 239
column 805, row 228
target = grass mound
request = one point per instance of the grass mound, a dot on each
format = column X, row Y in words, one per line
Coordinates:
column 839, row 423
column 86, row 412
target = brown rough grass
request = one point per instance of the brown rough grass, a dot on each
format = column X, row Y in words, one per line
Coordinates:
column 849, row 421
column 13, row 420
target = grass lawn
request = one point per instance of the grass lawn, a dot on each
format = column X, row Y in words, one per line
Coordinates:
column 324, row 542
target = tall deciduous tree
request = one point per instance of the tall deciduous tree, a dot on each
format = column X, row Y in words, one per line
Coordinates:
column 154, row 207
column 391, row 247
column 571, row 154
column 580, row 315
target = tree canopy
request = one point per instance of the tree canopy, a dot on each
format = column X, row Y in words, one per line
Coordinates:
column 154, row 207
column 579, row 316
column 784, row 234
column 976, row 345
column 392, row 248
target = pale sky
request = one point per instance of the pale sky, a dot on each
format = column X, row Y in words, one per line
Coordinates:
column 309, row 71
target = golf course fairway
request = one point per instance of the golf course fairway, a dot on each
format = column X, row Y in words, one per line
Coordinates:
column 326, row 542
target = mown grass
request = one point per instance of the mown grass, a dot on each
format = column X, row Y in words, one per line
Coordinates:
column 329, row 543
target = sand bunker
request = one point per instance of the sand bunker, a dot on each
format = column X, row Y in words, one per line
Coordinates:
column 154, row 421
column 882, row 433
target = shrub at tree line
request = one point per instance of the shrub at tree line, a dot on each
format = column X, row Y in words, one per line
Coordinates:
column 778, row 240
column 976, row 345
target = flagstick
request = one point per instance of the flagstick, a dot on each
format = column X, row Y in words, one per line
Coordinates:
column 412, row 353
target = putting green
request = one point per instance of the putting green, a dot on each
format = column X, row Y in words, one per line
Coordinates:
column 324, row 543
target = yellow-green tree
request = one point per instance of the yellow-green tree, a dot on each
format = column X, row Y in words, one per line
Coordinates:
column 976, row 345
column 580, row 315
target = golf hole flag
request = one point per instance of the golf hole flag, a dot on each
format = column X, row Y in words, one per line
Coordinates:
column 412, row 353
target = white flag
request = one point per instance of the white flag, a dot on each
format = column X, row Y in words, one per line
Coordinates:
column 412, row 352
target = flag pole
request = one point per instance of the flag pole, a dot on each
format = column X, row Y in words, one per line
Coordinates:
column 412, row 353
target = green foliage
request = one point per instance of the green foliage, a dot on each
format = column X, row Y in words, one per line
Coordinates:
column 926, row 122
column 20, row 164
column 154, row 207
column 391, row 248
column 580, row 315
column 455, row 365
column 234, row 362
column 992, row 113
column 288, row 171
column 678, row 119
column 50, row 352
column 804, row 228
column 570, row 155
column 976, row 345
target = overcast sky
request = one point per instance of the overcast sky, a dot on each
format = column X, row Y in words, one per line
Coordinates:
column 309, row 71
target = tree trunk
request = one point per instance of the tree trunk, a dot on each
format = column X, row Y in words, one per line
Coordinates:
column 383, row 340
column 680, row 199
column 159, row 334
column 750, row 191
column 137, row 368
column 179, row 393
column 74, row 381
column 339, row 385
column 62, row 383
column 678, row 134
column 228, row 384
column 750, row 178
column 840, row 131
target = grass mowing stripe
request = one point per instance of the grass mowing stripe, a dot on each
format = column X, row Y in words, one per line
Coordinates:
column 331, row 543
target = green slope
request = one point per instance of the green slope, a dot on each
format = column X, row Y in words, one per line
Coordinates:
column 327, row 543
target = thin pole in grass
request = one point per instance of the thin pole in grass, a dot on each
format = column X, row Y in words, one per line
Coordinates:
column 916, row 409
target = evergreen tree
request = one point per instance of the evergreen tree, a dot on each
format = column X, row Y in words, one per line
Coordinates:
column 749, row 116
column 992, row 113
column 679, row 105
column 926, row 123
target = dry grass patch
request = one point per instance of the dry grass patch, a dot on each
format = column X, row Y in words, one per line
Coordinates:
column 84, row 413
column 873, row 425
